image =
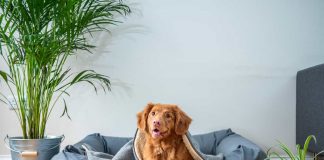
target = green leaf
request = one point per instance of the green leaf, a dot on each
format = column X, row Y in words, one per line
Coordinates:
column 306, row 144
column 274, row 155
column 299, row 151
column 287, row 150
column 4, row 75
column 65, row 111
column 90, row 77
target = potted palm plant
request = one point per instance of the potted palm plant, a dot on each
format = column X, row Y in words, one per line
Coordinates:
column 37, row 37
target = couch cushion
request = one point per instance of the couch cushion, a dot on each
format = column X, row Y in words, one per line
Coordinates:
column 96, row 141
column 114, row 144
column 208, row 142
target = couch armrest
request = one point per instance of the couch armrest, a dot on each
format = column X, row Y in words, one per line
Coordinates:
column 236, row 147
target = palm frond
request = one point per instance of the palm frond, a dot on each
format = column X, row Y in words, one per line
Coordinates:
column 65, row 111
column 89, row 76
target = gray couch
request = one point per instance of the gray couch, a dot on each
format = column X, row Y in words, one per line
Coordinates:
column 310, row 106
column 226, row 143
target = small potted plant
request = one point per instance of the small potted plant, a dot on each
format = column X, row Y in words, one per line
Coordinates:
column 37, row 37
column 301, row 153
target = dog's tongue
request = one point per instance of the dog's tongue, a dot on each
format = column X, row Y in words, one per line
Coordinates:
column 156, row 133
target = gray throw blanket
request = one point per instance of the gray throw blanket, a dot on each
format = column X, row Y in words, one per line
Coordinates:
column 219, row 145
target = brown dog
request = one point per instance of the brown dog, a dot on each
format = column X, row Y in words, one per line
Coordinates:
column 164, row 125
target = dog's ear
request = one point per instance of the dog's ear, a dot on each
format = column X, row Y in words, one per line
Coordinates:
column 142, row 116
column 182, row 121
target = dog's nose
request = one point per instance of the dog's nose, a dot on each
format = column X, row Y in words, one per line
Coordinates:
column 156, row 123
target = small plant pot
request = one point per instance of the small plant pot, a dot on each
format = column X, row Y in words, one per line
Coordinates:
column 34, row 149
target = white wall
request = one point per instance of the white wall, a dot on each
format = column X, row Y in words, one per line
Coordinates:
column 228, row 64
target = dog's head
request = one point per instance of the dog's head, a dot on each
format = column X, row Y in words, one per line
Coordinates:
column 162, row 120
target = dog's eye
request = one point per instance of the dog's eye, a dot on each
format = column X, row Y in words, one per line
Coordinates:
column 152, row 113
column 168, row 115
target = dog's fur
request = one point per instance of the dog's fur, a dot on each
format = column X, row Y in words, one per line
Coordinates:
column 164, row 136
